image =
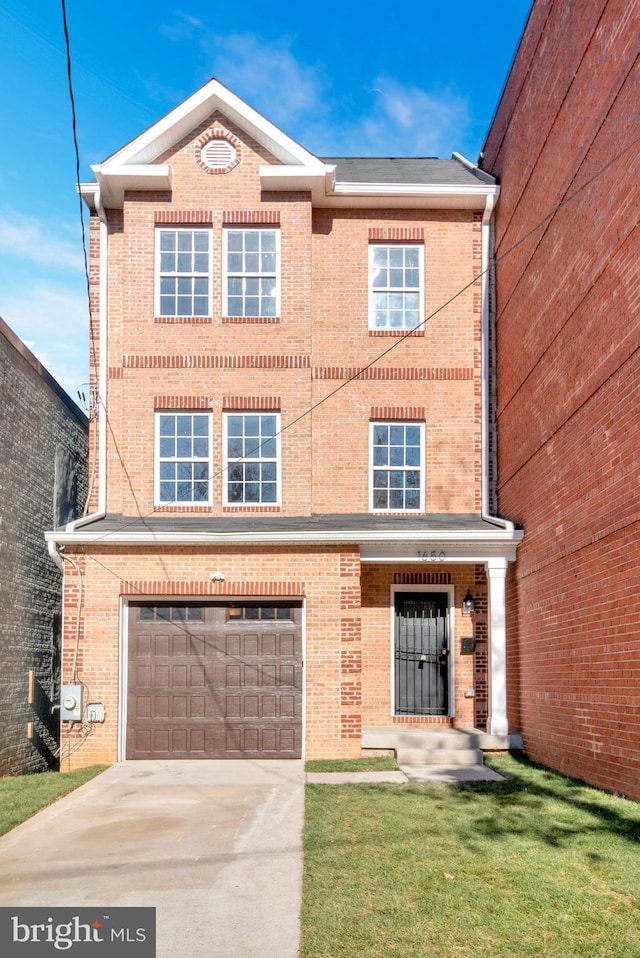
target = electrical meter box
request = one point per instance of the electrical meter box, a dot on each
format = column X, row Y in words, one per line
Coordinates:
column 71, row 703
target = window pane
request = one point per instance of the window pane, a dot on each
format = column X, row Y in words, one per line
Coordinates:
column 201, row 241
column 167, row 240
column 201, row 447
column 380, row 435
column 194, row 613
column 252, row 492
column 234, row 240
column 380, row 499
column 269, row 492
column 380, row 255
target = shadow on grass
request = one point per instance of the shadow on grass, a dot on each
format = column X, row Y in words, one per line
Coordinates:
column 541, row 804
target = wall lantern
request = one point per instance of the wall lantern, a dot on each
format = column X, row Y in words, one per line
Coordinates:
column 468, row 603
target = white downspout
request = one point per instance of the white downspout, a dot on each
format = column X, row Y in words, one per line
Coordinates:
column 486, row 246
column 498, row 723
column 101, row 398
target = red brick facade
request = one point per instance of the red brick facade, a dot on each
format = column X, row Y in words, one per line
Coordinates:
column 563, row 145
column 296, row 363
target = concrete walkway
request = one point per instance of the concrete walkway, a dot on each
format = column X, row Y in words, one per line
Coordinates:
column 410, row 773
column 216, row 847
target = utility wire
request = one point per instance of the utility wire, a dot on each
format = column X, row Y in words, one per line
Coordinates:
column 75, row 147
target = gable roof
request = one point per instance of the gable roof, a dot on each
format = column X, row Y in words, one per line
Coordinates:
column 332, row 181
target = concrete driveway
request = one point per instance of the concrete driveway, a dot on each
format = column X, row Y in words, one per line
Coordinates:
column 215, row 846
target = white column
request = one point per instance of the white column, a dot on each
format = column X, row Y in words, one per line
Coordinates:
column 497, row 678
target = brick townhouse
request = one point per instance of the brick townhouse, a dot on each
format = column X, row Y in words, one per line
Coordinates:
column 564, row 146
column 290, row 541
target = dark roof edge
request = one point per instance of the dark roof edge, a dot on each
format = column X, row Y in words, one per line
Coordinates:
column 506, row 82
column 42, row 371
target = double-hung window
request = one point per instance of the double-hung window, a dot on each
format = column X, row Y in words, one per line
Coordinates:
column 397, row 467
column 252, row 267
column 183, row 272
column 252, row 458
column 183, row 458
column 396, row 287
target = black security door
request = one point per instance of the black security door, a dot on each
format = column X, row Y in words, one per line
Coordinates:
column 421, row 653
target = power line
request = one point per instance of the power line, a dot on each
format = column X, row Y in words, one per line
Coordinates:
column 75, row 147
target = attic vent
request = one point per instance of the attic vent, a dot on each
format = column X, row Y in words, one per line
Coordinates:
column 217, row 154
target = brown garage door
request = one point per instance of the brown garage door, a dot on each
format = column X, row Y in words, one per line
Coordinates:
column 214, row 681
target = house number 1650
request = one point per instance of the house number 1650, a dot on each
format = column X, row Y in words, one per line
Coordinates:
column 432, row 556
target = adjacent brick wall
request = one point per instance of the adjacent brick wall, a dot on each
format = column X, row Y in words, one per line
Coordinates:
column 568, row 372
column 43, row 477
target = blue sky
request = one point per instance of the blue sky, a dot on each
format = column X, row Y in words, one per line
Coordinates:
column 358, row 78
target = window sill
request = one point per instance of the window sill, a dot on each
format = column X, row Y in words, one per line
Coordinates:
column 181, row 507
column 184, row 320
column 258, row 320
column 396, row 332
column 251, row 509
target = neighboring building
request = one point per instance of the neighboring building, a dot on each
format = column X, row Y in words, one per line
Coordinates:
column 563, row 144
column 292, row 486
column 43, row 480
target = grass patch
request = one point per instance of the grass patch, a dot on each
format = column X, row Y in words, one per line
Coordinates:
column 538, row 866
column 23, row 795
column 376, row 763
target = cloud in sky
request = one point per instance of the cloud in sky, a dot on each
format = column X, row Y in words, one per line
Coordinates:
column 383, row 117
column 405, row 120
column 28, row 238
column 267, row 75
column 53, row 320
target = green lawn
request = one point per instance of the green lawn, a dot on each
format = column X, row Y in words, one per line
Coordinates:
column 23, row 795
column 376, row 763
column 539, row 865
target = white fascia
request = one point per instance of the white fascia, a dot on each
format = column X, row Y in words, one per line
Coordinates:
column 326, row 192
column 179, row 122
column 273, row 537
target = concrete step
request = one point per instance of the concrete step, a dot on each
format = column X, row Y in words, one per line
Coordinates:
column 440, row 756
column 430, row 739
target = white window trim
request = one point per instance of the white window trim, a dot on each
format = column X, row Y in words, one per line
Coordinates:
column 422, row 467
column 227, row 462
column 421, row 254
column 225, row 273
column 156, row 483
column 167, row 228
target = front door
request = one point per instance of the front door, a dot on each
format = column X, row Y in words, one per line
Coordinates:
column 421, row 653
